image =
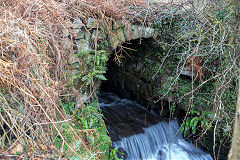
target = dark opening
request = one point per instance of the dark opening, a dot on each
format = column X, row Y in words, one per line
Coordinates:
column 131, row 78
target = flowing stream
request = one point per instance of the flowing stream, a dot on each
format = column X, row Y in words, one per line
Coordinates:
column 144, row 138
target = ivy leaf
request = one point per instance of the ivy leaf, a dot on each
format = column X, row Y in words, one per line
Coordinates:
column 182, row 127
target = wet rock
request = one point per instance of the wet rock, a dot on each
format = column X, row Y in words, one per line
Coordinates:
column 161, row 155
column 122, row 154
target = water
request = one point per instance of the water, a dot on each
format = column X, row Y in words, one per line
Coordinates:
column 161, row 141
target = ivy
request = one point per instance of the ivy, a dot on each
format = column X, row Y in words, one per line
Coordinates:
column 189, row 126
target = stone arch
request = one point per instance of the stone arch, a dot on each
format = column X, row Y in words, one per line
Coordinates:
column 83, row 37
column 116, row 35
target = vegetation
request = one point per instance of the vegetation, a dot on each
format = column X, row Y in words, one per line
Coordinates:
column 87, row 122
column 205, row 41
column 39, row 117
column 42, row 110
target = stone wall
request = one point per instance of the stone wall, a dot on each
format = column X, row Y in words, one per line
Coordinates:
column 115, row 33
column 91, row 36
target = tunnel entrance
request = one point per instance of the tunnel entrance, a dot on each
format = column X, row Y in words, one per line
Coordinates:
column 130, row 73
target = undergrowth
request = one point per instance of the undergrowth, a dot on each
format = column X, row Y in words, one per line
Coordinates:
column 88, row 123
column 206, row 44
column 33, row 83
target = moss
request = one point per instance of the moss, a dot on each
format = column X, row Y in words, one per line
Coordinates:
column 87, row 121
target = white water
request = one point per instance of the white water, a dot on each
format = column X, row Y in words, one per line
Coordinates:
column 162, row 141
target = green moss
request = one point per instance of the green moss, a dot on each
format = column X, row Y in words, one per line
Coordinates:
column 88, row 123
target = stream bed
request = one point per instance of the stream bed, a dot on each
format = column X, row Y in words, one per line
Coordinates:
column 142, row 135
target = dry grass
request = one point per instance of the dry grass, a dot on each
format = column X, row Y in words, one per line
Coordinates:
column 29, row 55
column 31, row 64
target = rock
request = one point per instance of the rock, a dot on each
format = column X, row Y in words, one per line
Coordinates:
column 120, row 35
column 122, row 154
column 131, row 84
column 162, row 154
column 18, row 148
column 118, row 24
column 157, row 80
column 130, row 67
column 127, row 33
column 74, row 71
column 67, row 43
column 117, row 38
column 136, row 32
column 91, row 23
column 140, row 66
column 75, row 68
column 148, row 32
column 77, row 23
column 100, row 35
column 120, row 81
column 65, row 32
column 84, row 97
column 186, row 72
column 83, row 44
column 78, row 34
column 146, row 93
column 87, row 36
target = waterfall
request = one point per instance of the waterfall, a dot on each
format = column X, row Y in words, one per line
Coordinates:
column 160, row 141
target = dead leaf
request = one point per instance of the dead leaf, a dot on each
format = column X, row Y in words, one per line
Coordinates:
column 43, row 147
column 52, row 147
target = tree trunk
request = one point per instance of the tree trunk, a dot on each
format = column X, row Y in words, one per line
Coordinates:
column 234, row 153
